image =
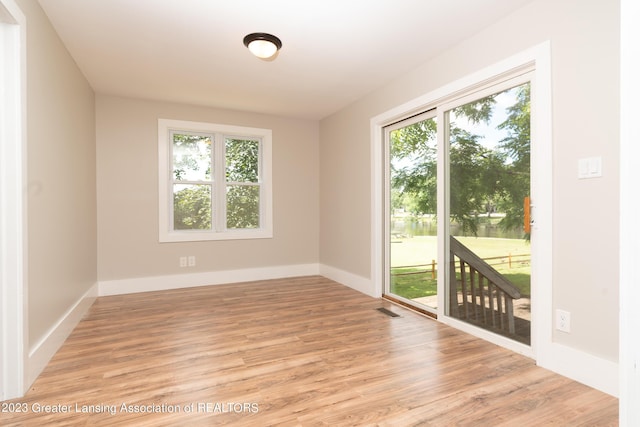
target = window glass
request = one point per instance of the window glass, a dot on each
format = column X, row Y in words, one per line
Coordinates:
column 243, row 206
column 191, row 157
column 242, row 158
column 191, row 207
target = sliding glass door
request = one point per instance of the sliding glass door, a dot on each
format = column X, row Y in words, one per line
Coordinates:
column 465, row 162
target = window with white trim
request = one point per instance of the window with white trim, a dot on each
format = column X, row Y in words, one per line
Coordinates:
column 214, row 181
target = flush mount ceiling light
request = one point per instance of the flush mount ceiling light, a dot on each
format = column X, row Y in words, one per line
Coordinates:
column 262, row 45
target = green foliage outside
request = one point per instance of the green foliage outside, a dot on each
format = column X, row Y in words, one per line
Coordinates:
column 191, row 207
column 243, row 199
column 193, row 183
column 485, row 176
column 191, row 165
column 243, row 206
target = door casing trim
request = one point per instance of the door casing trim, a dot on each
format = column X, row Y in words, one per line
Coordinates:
column 13, row 205
column 541, row 158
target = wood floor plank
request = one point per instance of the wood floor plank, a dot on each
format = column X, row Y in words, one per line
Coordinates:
column 293, row 352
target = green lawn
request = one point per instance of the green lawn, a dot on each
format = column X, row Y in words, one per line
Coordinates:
column 414, row 285
column 422, row 250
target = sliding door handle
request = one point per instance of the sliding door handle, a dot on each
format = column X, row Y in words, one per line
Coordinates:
column 527, row 215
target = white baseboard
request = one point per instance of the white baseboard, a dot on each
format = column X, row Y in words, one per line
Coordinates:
column 585, row 368
column 359, row 283
column 177, row 281
column 46, row 347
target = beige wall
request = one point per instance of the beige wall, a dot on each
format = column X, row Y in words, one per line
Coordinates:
column 585, row 67
column 61, row 177
column 127, row 152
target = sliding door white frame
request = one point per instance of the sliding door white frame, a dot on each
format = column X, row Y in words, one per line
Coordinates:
column 538, row 58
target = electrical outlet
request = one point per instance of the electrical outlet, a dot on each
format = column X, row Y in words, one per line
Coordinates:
column 192, row 261
column 563, row 321
column 183, row 261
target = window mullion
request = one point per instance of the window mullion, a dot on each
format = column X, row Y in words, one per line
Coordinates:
column 262, row 196
column 219, row 183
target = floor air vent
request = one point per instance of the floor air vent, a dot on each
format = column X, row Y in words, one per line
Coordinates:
column 387, row 312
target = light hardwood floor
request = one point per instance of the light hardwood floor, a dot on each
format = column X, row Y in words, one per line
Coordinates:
column 293, row 352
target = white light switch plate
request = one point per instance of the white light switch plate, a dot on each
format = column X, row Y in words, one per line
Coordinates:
column 590, row 167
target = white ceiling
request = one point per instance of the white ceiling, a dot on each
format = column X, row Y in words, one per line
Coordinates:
column 191, row 51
